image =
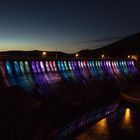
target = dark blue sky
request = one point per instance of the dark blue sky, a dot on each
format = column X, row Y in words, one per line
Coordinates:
column 66, row 25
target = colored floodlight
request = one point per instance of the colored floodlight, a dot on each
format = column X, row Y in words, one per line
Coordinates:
column 51, row 66
column 42, row 66
column 69, row 64
column 54, row 65
column 47, row 66
column 38, row 67
column 27, row 67
column 34, row 67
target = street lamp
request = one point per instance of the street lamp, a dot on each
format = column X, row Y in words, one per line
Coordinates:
column 103, row 56
column 44, row 54
column 76, row 55
column 128, row 56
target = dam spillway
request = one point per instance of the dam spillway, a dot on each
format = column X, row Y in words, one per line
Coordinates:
column 68, row 85
column 78, row 79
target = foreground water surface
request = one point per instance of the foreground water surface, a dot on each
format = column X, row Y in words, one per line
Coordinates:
column 122, row 124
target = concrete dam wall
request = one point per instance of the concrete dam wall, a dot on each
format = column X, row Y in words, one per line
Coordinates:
column 70, row 81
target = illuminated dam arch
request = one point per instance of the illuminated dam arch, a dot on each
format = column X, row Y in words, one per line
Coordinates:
column 54, row 65
column 2, row 70
column 38, row 67
column 27, row 67
column 9, row 68
column 96, row 67
column 17, row 68
column 47, row 66
column 22, row 67
column 42, row 66
column 33, row 65
column 51, row 66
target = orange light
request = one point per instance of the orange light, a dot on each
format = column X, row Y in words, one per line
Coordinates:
column 128, row 56
column 103, row 56
column 127, row 116
column 134, row 57
column 76, row 55
column 44, row 53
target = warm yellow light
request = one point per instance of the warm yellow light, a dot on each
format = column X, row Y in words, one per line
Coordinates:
column 102, row 127
column 134, row 57
column 128, row 56
column 76, row 55
column 103, row 56
column 44, row 53
column 102, row 123
column 127, row 116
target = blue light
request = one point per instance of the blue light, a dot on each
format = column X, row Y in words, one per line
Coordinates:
column 59, row 65
column 62, row 66
column 34, row 67
column 8, row 68
column 17, row 68
column 65, row 64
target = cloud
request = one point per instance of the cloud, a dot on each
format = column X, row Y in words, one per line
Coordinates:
column 107, row 39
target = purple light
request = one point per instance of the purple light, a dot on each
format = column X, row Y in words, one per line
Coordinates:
column 105, row 63
column 101, row 63
column 75, row 64
column 42, row 66
column 34, row 67
column 72, row 64
column 54, row 65
column 47, row 66
column 79, row 64
column 132, row 62
column 51, row 66
column 38, row 67
column 82, row 64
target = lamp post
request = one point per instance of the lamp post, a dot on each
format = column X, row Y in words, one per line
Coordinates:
column 102, row 56
column 76, row 55
column 44, row 54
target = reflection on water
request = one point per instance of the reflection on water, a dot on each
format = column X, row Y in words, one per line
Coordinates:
column 98, row 132
column 127, row 120
column 122, row 124
column 127, row 116
column 102, row 129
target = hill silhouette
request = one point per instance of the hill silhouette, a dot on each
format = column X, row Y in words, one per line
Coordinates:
column 127, row 46
column 120, row 49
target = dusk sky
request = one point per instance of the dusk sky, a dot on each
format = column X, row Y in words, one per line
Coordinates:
column 66, row 25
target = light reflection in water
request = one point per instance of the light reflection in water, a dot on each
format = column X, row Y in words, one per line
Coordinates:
column 98, row 132
column 102, row 127
column 127, row 120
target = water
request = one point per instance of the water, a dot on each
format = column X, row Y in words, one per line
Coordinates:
column 122, row 124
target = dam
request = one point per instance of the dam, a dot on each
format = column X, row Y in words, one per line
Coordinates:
column 67, row 88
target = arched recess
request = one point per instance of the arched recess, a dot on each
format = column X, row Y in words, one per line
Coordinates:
column 27, row 67
column 17, row 68
column 2, row 70
column 34, row 67
column 8, row 68
column 22, row 67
